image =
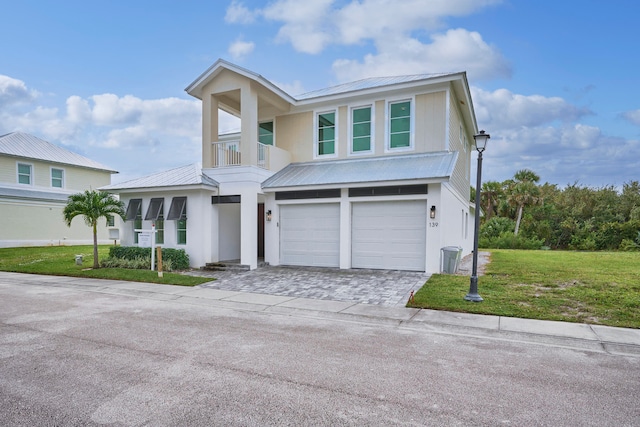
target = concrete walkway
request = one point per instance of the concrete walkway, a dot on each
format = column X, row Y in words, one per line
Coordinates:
column 562, row 334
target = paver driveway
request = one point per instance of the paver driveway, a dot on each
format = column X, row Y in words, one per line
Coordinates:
column 384, row 287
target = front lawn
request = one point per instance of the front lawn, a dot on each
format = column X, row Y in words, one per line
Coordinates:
column 586, row 287
column 60, row 261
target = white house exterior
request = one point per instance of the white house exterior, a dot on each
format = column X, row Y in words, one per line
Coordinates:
column 36, row 179
column 369, row 174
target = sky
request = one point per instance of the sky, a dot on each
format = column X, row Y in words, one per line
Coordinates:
column 556, row 83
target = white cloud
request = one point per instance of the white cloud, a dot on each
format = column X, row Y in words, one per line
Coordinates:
column 632, row 116
column 238, row 13
column 455, row 50
column 307, row 24
column 239, row 49
column 503, row 109
column 14, row 91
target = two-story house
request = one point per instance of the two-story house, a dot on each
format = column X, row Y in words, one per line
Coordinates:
column 369, row 174
column 36, row 180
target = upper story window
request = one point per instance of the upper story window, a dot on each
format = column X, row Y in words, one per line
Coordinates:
column 400, row 124
column 326, row 133
column 57, row 178
column 265, row 133
column 361, row 129
column 25, row 173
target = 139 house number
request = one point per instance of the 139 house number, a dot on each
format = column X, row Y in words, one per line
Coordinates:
column 433, row 224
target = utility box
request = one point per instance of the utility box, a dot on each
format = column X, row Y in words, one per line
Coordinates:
column 450, row 256
column 78, row 259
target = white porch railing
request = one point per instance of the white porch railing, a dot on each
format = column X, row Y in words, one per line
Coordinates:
column 227, row 153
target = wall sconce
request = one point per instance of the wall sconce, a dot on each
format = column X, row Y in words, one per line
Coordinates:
column 432, row 213
column 269, row 215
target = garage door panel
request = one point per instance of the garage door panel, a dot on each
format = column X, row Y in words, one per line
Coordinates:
column 389, row 235
column 310, row 235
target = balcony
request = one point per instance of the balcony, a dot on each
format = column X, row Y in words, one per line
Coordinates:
column 228, row 154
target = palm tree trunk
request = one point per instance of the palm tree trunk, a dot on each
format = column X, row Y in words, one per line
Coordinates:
column 518, row 219
column 95, row 246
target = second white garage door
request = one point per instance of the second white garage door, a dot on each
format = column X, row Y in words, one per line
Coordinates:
column 389, row 235
column 310, row 235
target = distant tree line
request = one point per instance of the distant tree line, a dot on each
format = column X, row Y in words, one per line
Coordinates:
column 521, row 214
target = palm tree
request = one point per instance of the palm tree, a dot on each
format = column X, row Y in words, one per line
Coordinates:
column 523, row 191
column 93, row 205
column 490, row 196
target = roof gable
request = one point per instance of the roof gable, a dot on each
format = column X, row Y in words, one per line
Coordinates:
column 19, row 144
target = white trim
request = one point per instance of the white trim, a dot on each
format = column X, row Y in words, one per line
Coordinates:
column 64, row 173
column 372, row 130
column 387, row 127
column 32, row 173
column 316, row 114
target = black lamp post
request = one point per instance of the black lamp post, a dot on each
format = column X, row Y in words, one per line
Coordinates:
column 481, row 144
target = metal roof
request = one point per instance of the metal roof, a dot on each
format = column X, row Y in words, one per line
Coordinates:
column 185, row 175
column 28, row 193
column 369, row 83
column 425, row 166
column 21, row 144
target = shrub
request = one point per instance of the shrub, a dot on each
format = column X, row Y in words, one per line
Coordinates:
column 508, row 240
column 172, row 259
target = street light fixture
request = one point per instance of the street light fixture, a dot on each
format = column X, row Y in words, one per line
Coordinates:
column 481, row 144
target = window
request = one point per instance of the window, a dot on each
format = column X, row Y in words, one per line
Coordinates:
column 361, row 129
column 111, row 221
column 265, row 133
column 160, row 228
column 155, row 207
column 400, row 124
column 57, row 178
column 178, row 212
column 133, row 209
column 25, row 173
column 137, row 224
column 181, row 227
column 154, row 213
column 326, row 136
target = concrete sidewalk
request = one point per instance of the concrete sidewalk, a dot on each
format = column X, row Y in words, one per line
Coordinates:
column 597, row 338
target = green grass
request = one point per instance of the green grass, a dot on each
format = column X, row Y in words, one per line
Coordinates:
column 586, row 287
column 60, row 261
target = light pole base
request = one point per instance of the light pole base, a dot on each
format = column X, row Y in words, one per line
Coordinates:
column 473, row 297
column 473, row 286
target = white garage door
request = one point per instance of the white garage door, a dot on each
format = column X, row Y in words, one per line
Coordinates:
column 389, row 235
column 310, row 235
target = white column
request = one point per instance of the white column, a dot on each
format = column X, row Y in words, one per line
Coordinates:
column 249, row 126
column 249, row 226
column 345, row 229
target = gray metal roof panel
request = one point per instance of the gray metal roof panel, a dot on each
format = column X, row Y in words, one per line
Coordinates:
column 28, row 193
column 438, row 165
column 20, row 144
column 368, row 83
column 185, row 175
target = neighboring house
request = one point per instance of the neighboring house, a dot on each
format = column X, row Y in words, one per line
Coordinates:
column 369, row 174
column 36, row 179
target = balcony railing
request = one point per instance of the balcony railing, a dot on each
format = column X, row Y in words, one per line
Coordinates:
column 227, row 153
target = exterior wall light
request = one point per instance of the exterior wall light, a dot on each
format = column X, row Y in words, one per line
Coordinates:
column 432, row 212
column 268, row 215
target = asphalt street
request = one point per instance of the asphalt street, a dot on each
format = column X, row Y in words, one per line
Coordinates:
column 78, row 355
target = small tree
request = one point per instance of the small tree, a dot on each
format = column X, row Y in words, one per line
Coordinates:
column 93, row 205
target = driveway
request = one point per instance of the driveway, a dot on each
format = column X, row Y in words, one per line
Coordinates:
column 382, row 287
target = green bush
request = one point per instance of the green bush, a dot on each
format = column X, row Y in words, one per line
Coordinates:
column 496, row 226
column 172, row 259
column 508, row 240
